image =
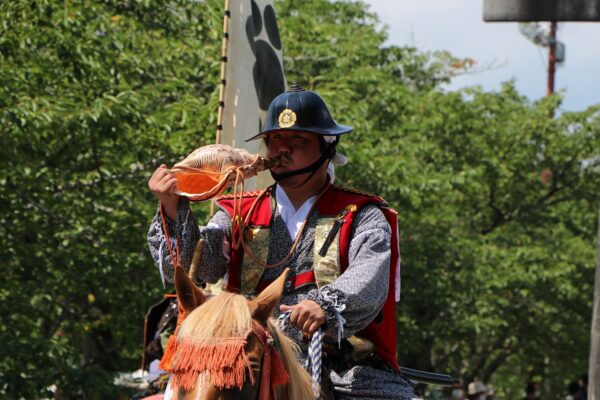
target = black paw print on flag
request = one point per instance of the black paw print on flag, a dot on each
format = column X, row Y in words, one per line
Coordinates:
column 268, row 71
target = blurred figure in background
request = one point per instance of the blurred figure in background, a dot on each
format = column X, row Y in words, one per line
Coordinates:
column 532, row 391
column 457, row 392
column 578, row 389
column 583, row 383
column 491, row 393
column 477, row 391
column 573, row 391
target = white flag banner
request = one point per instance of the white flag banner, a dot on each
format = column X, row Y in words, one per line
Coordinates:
column 253, row 75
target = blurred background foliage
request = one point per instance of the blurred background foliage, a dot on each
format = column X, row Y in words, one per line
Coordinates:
column 497, row 194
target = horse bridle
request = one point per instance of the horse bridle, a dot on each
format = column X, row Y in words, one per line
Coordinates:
column 273, row 371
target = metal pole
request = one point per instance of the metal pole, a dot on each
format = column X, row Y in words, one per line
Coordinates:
column 551, row 60
column 594, row 363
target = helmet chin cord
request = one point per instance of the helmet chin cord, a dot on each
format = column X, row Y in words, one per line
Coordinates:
column 327, row 154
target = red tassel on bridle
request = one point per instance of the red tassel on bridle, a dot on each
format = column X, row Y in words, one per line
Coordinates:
column 273, row 371
column 171, row 348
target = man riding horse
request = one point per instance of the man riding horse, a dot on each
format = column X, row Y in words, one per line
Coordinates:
column 340, row 245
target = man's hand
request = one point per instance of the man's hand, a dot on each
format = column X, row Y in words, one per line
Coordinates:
column 307, row 316
column 162, row 185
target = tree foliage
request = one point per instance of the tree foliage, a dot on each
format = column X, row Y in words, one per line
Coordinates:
column 93, row 95
column 497, row 201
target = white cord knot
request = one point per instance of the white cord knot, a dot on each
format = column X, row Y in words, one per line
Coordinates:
column 332, row 299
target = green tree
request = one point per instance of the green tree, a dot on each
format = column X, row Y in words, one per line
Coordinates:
column 93, row 96
column 499, row 228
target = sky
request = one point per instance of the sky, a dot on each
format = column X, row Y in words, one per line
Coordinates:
column 502, row 53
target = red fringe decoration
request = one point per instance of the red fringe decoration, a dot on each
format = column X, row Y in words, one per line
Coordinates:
column 223, row 359
column 225, row 362
column 167, row 358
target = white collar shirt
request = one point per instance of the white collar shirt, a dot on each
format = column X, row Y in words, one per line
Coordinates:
column 293, row 218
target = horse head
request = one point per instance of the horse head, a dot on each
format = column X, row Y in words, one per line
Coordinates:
column 228, row 347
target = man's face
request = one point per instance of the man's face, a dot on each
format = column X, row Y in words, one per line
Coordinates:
column 297, row 149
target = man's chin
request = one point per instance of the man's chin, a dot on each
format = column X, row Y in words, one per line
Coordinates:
column 282, row 170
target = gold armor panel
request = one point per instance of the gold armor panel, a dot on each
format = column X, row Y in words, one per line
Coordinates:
column 257, row 240
column 327, row 268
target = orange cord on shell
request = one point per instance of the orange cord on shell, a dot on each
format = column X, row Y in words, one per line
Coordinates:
column 174, row 258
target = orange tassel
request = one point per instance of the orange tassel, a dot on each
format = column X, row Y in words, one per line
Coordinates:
column 225, row 363
column 167, row 358
column 279, row 375
column 273, row 374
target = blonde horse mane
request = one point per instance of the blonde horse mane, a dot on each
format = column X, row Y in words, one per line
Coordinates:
column 228, row 316
column 224, row 316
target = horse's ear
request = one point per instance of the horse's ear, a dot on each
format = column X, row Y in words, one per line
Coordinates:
column 189, row 295
column 262, row 306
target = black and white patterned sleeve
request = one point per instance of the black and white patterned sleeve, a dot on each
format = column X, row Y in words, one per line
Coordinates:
column 357, row 296
column 215, row 255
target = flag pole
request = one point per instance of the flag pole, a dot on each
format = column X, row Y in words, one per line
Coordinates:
column 223, row 82
column 551, row 60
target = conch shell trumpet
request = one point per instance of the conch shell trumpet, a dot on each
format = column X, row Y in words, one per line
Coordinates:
column 211, row 169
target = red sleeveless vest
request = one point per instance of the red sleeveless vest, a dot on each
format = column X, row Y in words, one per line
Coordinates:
column 381, row 333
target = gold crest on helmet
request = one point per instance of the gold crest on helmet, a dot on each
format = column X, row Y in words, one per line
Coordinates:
column 287, row 118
